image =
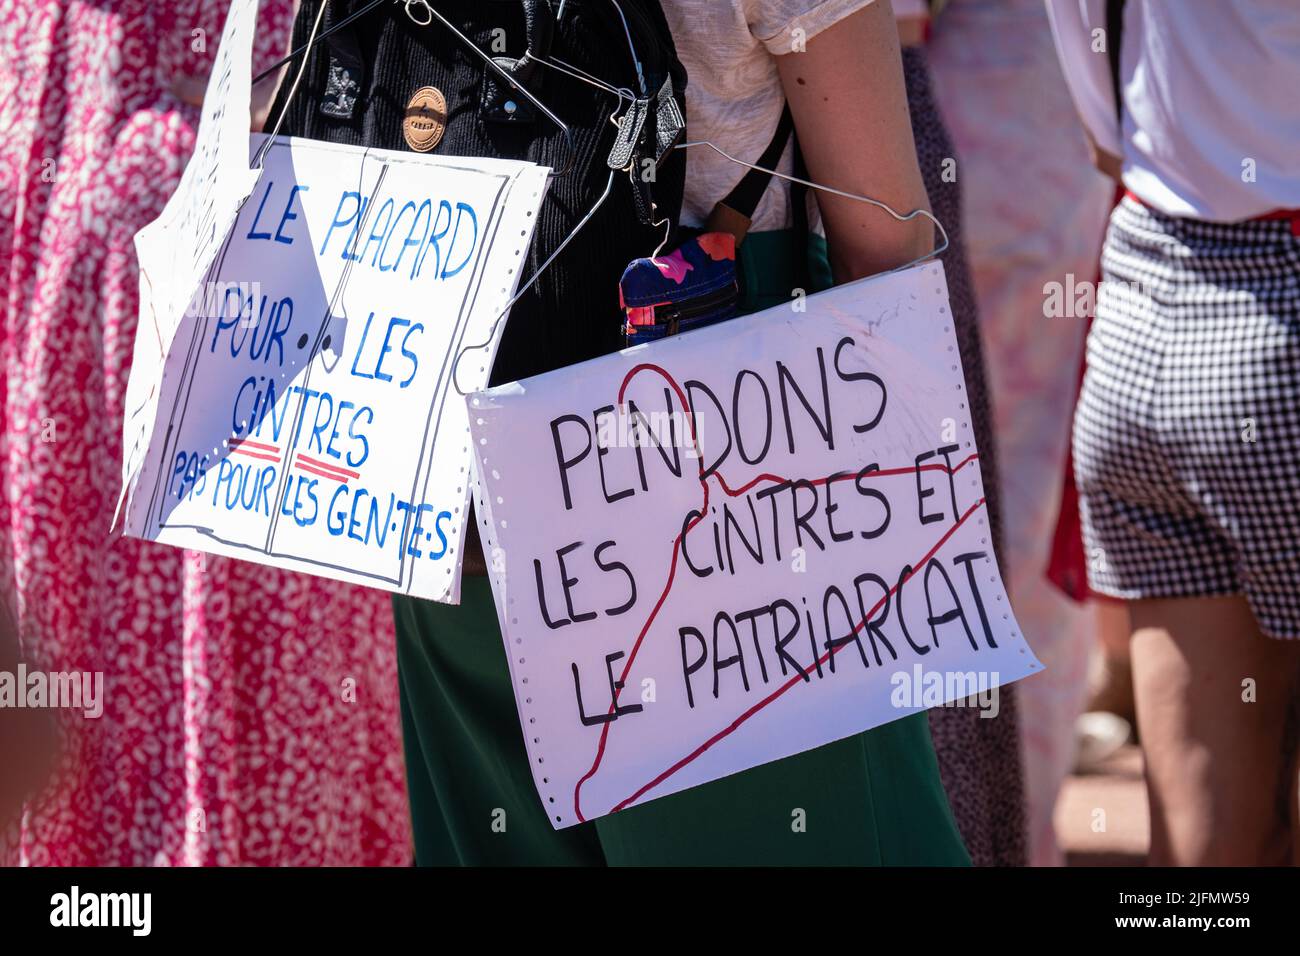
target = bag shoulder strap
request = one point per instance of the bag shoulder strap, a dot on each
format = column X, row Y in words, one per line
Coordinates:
column 1114, row 44
column 745, row 196
column 736, row 211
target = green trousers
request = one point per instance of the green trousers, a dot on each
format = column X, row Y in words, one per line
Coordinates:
column 872, row 799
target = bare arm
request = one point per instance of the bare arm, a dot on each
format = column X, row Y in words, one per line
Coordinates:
column 849, row 104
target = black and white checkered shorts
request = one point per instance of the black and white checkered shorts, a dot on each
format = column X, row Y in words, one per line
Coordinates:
column 1187, row 435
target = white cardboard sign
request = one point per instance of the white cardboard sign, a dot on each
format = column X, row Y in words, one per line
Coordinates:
column 176, row 249
column 306, row 415
column 740, row 543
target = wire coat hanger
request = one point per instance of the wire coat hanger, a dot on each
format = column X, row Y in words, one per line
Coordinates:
column 555, row 63
column 314, row 39
column 432, row 15
column 879, row 204
column 622, row 93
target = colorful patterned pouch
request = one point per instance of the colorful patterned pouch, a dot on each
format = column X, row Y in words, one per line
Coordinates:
column 689, row 288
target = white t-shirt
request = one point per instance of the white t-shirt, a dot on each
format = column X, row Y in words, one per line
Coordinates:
column 734, row 96
column 1211, row 94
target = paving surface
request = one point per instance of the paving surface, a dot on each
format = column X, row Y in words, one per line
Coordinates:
column 1101, row 818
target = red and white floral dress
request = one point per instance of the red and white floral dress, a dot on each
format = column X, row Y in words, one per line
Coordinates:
column 250, row 714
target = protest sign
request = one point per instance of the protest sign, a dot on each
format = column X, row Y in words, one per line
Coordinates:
column 307, row 417
column 176, row 249
column 740, row 543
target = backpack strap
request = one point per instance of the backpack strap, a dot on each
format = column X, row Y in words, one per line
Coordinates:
column 345, row 71
column 500, row 102
column 735, row 213
column 799, row 223
column 1114, row 44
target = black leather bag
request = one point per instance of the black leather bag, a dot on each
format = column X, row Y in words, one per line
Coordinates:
column 359, row 81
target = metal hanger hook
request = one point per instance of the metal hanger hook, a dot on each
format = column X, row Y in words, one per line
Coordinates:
column 901, row 217
column 428, row 11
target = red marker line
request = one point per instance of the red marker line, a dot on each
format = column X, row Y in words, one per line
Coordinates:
column 845, row 476
column 261, row 446
column 735, row 724
column 672, row 572
column 326, row 466
column 324, row 474
column 254, row 454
